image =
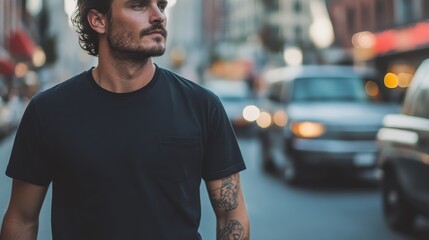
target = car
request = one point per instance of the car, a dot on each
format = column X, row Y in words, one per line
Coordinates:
column 319, row 120
column 403, row 156
column 239, row 103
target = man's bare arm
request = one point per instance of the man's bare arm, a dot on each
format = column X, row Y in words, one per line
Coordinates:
column 21, row 221
column 230, row 209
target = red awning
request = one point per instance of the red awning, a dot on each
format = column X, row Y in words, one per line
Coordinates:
column 7, row 67
column 21, row 43
column 402, row 39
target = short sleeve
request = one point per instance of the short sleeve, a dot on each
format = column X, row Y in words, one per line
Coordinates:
column 222, row 155
column 28, row 161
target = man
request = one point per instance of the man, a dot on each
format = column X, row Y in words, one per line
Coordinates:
column 126, row 143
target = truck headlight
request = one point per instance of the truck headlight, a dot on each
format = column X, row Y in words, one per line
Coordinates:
column 308, row 129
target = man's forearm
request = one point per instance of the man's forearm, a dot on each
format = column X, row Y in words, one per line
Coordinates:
column 16, row 230
column 228, row 204
column 233, row 229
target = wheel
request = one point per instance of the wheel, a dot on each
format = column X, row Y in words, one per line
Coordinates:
column 397, row 212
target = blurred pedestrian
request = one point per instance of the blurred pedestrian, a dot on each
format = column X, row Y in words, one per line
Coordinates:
column 125, row 144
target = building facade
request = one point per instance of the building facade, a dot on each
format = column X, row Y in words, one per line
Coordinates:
column 243, row 19
column 18, row 36
column 19, row 58
column 215, row 30
column 229, row 25
column 390, row 35
column 302, row 24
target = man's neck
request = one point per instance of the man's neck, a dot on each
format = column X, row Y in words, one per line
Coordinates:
column 121, row 76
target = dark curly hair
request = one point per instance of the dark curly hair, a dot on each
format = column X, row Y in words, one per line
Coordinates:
column 88, row 38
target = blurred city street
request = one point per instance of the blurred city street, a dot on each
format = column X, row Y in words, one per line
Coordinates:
column 341, row 210
column 279, row 69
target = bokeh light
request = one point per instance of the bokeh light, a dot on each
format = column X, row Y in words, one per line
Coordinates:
column 404, row 79
column 391, row 80
column 372, row 88
column 280, row 118
column 363, row 40
column 321, row 31
column 34, row 7
column 39, row 57
column 293, row 56
column 21, row 69
column 264, row 120
column 251, row 113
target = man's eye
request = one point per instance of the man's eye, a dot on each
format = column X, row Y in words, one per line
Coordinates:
column 162, row 6
column 138, row 5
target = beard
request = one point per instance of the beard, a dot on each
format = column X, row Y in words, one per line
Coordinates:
column 122, row 46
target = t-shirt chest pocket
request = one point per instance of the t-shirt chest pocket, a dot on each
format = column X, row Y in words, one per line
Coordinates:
column 179, row 157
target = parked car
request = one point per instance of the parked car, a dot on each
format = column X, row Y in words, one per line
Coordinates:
column 239, row 103
column 404, row 156
column 319, row 119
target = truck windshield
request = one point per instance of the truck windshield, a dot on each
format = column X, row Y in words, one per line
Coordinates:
column 329, row 89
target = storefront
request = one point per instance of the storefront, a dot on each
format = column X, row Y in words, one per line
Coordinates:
column 398, row 52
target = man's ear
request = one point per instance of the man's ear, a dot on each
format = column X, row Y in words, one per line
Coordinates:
column 97, row 21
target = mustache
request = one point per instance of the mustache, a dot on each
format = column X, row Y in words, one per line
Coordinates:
column 157, row 27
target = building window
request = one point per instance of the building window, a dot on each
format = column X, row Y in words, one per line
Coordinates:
column 425, row 9
column 297, row 6
column 351, row 20
column 271, row 5
column 405, row 11
column 384, row 14
column 367, row 16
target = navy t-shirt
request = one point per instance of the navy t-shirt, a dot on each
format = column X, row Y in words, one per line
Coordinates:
column 125, row 165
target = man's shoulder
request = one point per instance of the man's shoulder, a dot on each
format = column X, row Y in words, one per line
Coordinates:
column 69, row 87
column 176, row 78
column 190, row 87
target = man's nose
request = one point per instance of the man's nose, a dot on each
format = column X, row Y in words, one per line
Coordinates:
column 156, row 14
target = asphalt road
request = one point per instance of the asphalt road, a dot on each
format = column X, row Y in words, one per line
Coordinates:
column 334, row 209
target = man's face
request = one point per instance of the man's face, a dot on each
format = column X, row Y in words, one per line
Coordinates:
column 136, row 28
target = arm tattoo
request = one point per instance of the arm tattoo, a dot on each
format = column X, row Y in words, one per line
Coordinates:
column 232, row 231
column 226, row 196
